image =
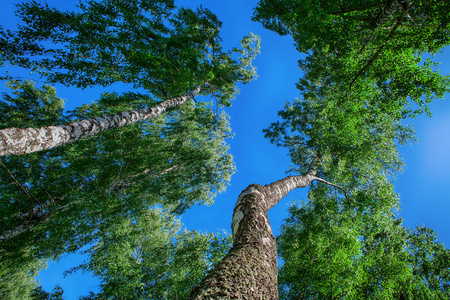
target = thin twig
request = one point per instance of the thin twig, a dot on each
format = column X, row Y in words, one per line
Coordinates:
column 332, row 184
column 51, row 198
column 30, row 196
column 335, row 186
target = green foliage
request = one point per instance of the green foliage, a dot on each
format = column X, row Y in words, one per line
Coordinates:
column 17, row 274
column 332, row 252
column 361, row 79
column 349, row 121
column 318, row 251
column 430, row 261
column 40, row 294
column 334, row 25
column 148, row 257
column 35, row 109
column 365, row 66
column 145, row 43
column 356, row 151
column 55, row 201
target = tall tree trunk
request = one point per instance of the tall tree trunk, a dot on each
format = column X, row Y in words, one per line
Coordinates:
column 31, row 220
column 15, row 141
column 249, row 270
column 34, row 217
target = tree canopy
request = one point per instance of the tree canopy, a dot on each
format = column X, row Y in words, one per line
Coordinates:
column 118, row 194
column 60, row 200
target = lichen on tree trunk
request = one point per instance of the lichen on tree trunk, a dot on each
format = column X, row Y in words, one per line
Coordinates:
column 249, row 270
column 16, row 141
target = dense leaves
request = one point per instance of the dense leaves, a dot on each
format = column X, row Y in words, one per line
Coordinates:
column 56, row 201
column 148, row 257
column 361, row 157
column 147, row 44
column 351, row 121
column 367, row 66
column 333, row 253
column 335, row 25
column 18, row 279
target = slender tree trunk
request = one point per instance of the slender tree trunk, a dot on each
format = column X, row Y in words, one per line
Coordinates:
column 16, row 141
column 249, row 270
column 31, row 220
column 34, row 217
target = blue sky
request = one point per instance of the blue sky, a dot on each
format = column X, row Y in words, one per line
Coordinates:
column 424, row 186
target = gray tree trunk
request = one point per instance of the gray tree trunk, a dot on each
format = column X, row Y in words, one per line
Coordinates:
column 31, row 220
column 16, row 141
column 35, row 217
column 249, row 270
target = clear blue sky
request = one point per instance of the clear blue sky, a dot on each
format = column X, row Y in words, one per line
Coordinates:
column 424, row 186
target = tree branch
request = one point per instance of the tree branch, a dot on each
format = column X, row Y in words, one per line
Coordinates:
column 372, row 59
column 28, row 194
column 358, row 8
column 333, row 185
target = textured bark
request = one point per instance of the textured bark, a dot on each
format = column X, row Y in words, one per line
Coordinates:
column 249, row 270
column 15, row 141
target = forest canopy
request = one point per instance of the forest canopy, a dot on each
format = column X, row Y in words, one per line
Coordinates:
column 118, row 194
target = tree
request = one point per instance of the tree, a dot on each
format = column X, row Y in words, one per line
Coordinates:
column 249, row 270
column 187, row 164
column 331, row 253
column 148, row 257
column 342, row 137
column 93, row 47
column 176, row 160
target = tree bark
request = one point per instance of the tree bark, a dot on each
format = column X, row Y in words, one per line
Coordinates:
column 249, row 270
column 16, row 141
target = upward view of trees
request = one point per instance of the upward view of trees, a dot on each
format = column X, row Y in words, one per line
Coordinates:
column 113, row 177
